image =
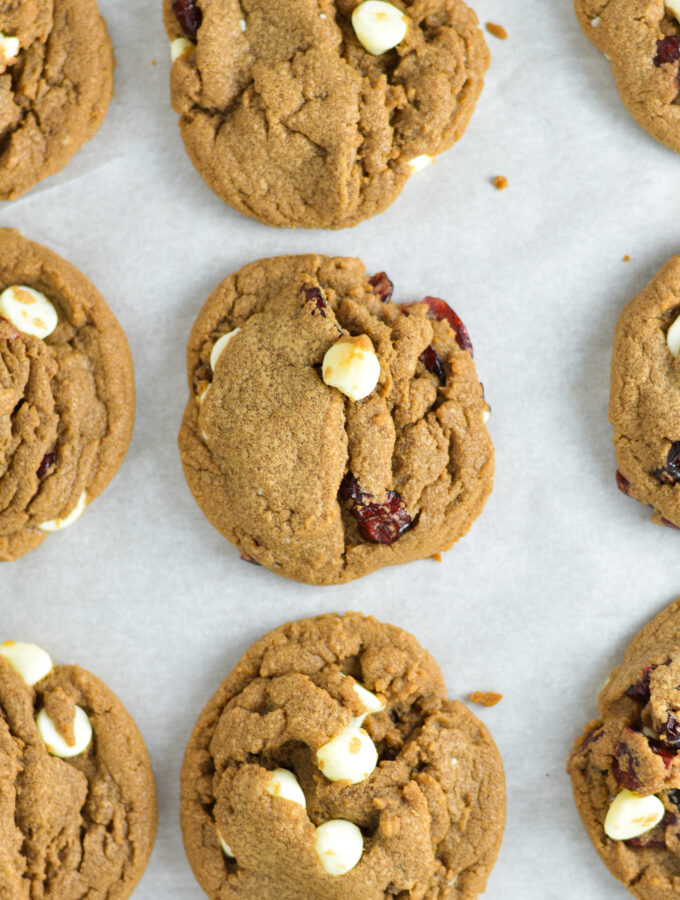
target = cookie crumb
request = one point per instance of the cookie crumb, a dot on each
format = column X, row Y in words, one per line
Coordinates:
column 497, row 31
column 626, row 258
column 153, row 62
column 437, row 557
column 485, row 698
column 500, row 182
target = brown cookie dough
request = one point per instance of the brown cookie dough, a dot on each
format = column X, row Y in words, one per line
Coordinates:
column 431, row 813
column 305, row 481
column 66, row 402
column 633, row 746
column 644, row 403
column 55, row 91
column 641, row 38
column 73, row 827
column 289, row 120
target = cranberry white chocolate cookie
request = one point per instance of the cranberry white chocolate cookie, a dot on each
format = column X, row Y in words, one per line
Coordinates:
column 314, row 113
column 56, row 81
column 641, row 39
column 625, row 769
column 644, row 402
column 330, row 765
column 77, row 794
column 67, row 394
column 329, row 431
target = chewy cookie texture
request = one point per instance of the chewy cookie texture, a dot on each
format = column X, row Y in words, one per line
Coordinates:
column 314, row 113
column 330, row 432
column 56, row 81
column 77, row 794
column 66, row 394
column 625, row 768
column 329, row 765
column 641, row 38
column 644, row 399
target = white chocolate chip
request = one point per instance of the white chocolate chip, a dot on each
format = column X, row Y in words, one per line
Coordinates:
column 595, row 22
column 486, row 415
column 226, row 849
column 243, row 24
column 371, row 704
column 9, row 47
column 28, row 660
column 674, row 7
column 631, row 815
column 285, row 785
column 379, row 26
column 219, row 346
column 418, row 163
column 349, row 756
column 66, row 521
column 201, row 397
column 673, row 337
column 339, row 845
column 181, row 46
column 28, row 310
column 351, row 366
column 57, row 746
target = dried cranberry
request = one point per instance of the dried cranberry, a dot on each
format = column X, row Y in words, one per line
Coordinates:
column 667, row 50
column 430, row 359
column 382, row 287
column 625, row 773
column 640, row 690
column 249, row 559
column 440, row 309
column 622, row 483
column 189, row 17
column 382, row 523
column 48, row 460
column 669, row 524
column 663, row 751
column 670, row 473
column 314, row 295
column 670, row 731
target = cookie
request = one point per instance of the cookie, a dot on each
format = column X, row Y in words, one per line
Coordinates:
column 644, row 403
column 67, row 394
column 330, row 765
column 56, row 81
column 641, row 39
column 330, row 432
column 291, row 120
column 77, row 793
column 625, row 769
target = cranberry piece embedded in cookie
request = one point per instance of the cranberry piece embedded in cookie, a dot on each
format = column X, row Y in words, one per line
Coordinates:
column 382, row 287
column 640, row 690
column 669, row 731
column 382, row 523
column 669, row 524
column 249, row 559
column 48, row 460
column 313, row 294
column 440, row 309
column 430, row 359
column 189, row 17
column 666, row 754
column 670, row 473
column 667, row 50
column 622, row 483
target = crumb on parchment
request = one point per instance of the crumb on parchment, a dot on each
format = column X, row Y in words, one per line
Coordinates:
column 485, row 698
column 497, row 31
column 500, row 182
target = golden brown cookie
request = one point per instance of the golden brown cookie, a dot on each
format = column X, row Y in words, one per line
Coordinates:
column 67, row 394
column 340, row 719
column 290, row 120
column 625, row 768
column 641, row 39
column 304, row 480
column 644, row 403
column 77, row 793
column 56, row 81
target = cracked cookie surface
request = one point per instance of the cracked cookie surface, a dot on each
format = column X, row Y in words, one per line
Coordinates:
column 66, row 402
column 634, row 745
column 78, row 827
column 431, row 813
column 642, row 41
column 289, row 120
column 644, row 402
column 268, row 447
column 55, row 92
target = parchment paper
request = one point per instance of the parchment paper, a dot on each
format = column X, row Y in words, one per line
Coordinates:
column 540, row 599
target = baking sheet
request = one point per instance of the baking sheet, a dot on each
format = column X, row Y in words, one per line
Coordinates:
column 540, row 599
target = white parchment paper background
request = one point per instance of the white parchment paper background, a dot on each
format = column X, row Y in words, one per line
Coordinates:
column 541, row 598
